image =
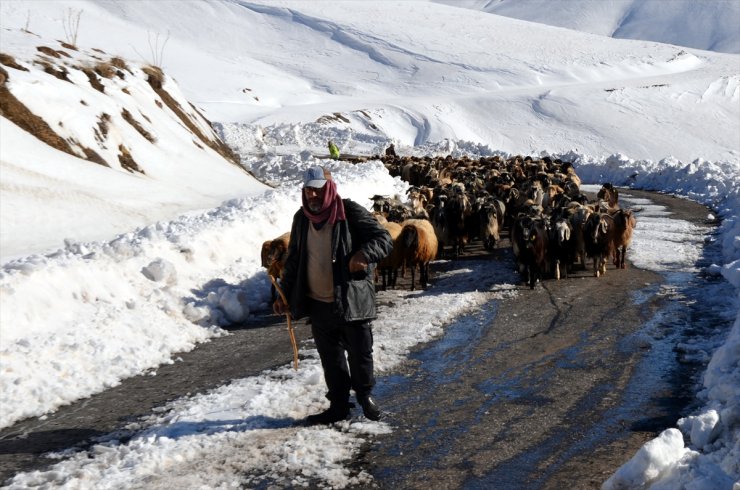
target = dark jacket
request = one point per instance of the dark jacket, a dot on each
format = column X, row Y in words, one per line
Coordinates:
column 354, row 294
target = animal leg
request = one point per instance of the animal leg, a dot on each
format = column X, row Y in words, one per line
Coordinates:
column 532, row 277
column 596, row 266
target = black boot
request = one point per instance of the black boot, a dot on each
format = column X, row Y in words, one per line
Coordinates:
column 369, row 407
column 335, row 413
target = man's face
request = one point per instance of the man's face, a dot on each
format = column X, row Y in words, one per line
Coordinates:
column 315, row 198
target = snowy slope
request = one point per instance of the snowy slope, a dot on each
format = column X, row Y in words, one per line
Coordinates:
column 98, row 148
column 709, row 24
column 518, row 86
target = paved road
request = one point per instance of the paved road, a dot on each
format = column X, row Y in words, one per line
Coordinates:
column 536, row 392
column 557, row 391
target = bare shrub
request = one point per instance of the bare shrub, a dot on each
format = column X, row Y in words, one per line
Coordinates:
column 28, row 21
column 71, row 24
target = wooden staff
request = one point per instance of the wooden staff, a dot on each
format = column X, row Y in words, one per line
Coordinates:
column 287, row 315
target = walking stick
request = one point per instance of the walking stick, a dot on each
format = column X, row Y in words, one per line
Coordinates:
column 290, row 327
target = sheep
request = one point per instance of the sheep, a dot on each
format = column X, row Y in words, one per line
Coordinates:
column 417, row 246
column 624, row 223
column 388, row 266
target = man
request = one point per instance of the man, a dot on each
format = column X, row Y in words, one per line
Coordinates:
column 328, row 276
column 333, row 151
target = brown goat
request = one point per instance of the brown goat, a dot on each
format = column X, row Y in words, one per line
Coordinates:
column 624, row 223
column 388, row 266
column 274, row 253
column 417, row 246
column 609, row 194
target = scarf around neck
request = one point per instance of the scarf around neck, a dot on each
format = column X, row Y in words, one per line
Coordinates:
column 332, row 207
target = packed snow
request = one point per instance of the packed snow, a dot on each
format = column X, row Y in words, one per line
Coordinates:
column 114, row 274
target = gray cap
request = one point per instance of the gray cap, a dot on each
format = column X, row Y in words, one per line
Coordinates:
column 314, row 177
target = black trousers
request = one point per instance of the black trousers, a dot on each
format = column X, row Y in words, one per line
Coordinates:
column 333, row 337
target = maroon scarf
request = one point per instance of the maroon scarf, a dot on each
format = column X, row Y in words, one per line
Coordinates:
column 332, row 208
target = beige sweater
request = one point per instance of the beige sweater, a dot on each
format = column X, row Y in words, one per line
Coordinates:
column 320, row 276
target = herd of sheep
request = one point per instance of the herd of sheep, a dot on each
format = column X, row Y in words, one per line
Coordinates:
column 551, row 224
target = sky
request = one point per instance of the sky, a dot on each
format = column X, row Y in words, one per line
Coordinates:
column 100, row 263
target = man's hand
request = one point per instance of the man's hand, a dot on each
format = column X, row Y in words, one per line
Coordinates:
column 278, row 307
column 358, row 262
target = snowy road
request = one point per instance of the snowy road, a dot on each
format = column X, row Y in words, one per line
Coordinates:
column 539, row 389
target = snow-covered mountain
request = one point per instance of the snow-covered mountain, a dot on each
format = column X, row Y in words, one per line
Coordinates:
column 709, row 25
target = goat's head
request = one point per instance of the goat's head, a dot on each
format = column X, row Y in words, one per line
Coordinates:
column 597, row 226
column 277, row 251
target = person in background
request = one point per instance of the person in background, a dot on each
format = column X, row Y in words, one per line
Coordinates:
column 328, row 276
column 333, row 150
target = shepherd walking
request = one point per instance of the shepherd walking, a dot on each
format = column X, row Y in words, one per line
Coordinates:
column 329, row 277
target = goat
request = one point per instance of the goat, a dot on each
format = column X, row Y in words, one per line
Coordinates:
column 457, row 209
column 537, row 248
column 562, row 247
column 609, row 194
column 529, row 239
column 578, row 216
column 489, row 225
column 438, row 219
column 598, row 232
column 418, row 246
column 624, row 223
column 417, row 203
column 274, row 253
column 388, row 266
